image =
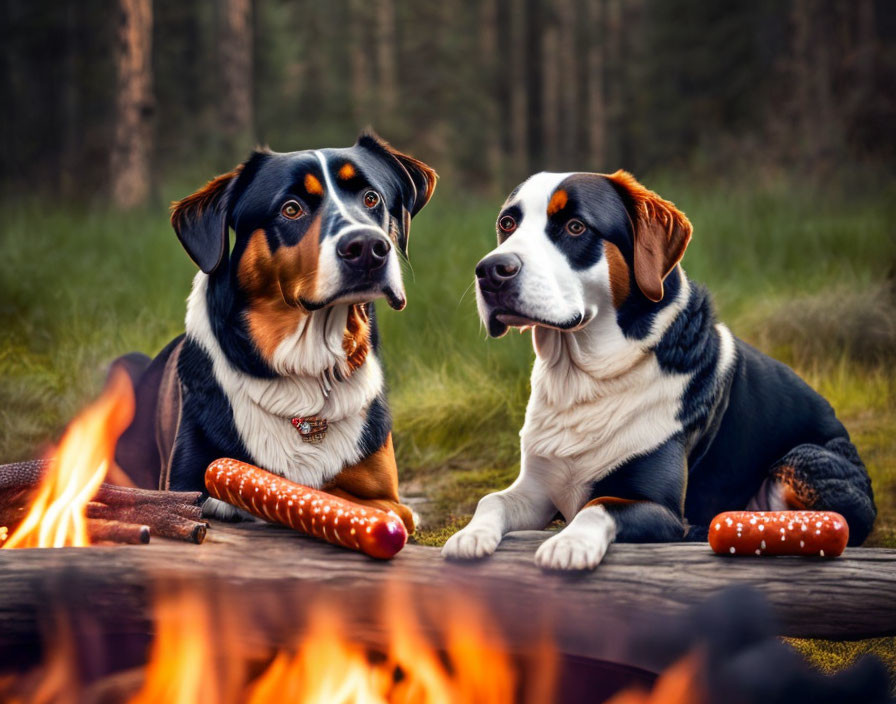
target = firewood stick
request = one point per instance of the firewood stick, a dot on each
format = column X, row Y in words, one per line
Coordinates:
column 102, row 530
column 113, row 494
column 161, row 522
column 25, row 475
column 21, row 475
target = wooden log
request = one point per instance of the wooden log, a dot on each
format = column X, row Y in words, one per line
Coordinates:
column 103, row 530
column 20, row 476
column 162, row 521
column 853, row 596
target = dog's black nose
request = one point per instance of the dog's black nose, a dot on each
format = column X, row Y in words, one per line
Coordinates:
column 496, row 270
column 364, row 251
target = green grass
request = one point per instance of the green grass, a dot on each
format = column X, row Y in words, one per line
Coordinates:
column 806, row 275
column 803, row 274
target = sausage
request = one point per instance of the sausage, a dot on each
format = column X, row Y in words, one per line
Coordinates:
column 310, row 511
column 822, row 533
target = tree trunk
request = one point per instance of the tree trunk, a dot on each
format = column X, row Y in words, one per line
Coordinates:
column 488, row 57
column 71, row 102
column 550, row 93
column 385, row 57
column 614, row 70
column 235, row 71
column 568, row 67
column 596, row 104
column 360, row 66
column 132, row 139
column 519, row 99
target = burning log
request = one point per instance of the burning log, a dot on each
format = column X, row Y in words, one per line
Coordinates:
column 116, row 513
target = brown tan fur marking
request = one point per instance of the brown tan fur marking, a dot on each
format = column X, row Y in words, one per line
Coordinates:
column 347, row 172
column 313, row 185
column 619, row 273
column 197, row 202
column 609, row 501
column 373, row 482
column 798, row 494
column 268, row 279
column 356, row 339
column 558, row 202
column 662, row 233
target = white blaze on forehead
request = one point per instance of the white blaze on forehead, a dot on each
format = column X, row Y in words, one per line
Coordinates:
column 333, row 193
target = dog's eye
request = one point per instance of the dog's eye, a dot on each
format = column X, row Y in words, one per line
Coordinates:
column 291, row 210
column 575, row 227
column 371, row 199
column 507, row 224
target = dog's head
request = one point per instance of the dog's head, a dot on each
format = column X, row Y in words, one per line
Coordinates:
column 570, row 244
column 313, row 228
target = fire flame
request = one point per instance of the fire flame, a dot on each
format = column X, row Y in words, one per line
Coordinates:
column 679, row 684
column 193, row 653
column 56, row 517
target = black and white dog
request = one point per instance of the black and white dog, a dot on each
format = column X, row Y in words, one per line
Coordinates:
column 646, row 416
column 279, row 365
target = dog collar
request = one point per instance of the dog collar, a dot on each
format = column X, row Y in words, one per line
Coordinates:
column 313, row 429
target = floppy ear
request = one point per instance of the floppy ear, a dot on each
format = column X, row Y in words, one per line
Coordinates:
column 661, row 233
column 200, row 221
column 420, row 179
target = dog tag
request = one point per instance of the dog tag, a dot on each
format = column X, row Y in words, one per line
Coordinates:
column 312, row 429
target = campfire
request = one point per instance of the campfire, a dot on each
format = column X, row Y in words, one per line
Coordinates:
column 64, row 502
column 260, row 614
column 209, row 648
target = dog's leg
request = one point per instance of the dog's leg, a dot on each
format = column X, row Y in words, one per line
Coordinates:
column 523, row 506
column 584, row 542
column 829, row 478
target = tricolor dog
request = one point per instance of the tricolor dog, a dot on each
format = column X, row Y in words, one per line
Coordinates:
column 279, row 366
column 646, row 417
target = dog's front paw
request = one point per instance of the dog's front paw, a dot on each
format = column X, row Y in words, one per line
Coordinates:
column 570, row 552
column 471, row 544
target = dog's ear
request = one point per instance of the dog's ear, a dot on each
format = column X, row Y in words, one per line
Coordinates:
column 661, row 233
column 419, row 180
column 200, row 221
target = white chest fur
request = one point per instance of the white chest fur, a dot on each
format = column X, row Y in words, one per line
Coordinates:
column 598, row 399
column 263, row 408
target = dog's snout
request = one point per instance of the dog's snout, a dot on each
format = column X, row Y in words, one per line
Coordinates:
column 364, row 251
column 495, row 271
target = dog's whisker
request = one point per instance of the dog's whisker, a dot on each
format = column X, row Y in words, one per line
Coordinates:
column 464, row 294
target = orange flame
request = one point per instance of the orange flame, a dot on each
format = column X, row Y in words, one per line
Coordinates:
column 57, row 517
column 193, row 654
column 679, row 684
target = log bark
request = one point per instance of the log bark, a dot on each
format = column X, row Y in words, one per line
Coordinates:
column 132, row 138
column 853, row 596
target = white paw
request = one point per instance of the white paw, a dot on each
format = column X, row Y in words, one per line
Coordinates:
column 471, row 544
column 571, row 552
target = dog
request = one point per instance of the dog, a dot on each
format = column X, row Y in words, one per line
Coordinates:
column 646, row 416
column 279, row 363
